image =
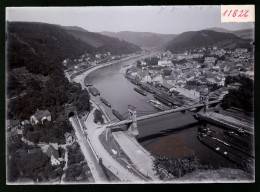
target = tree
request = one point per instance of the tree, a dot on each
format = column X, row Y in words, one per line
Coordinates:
column 138, row 64
column 167, row 72
column 241, row 98
column 98, row 118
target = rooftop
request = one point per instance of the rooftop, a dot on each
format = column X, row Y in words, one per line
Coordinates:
column 41, row 113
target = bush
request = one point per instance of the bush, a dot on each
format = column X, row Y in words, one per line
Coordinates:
column 176, row 167
column 98, row 116
column 74, row 154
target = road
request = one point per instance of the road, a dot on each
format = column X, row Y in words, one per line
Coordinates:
column 96, row 170
column 118, row 168
column 21, row 95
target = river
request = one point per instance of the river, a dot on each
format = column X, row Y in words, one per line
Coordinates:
column 119, row 92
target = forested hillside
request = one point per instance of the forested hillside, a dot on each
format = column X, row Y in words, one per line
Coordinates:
column 103, row 43
column 198, row 39
column 35, row 55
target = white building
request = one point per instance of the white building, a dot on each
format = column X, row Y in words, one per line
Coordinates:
column 165, row 63
column 143, row 63
column 54, row 161
column 210, row 60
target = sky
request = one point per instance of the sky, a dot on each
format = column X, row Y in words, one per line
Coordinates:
column 157, row 19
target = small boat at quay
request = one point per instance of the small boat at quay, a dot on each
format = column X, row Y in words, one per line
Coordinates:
column 156, row 104
column 140, row 91
column 105, row 102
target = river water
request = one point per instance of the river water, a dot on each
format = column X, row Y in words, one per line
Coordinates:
column 119, row 92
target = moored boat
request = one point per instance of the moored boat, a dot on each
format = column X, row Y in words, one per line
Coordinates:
column 105, row 102
column 156, row 104
column 140, row 91
column 92, row 91
column 118, row 115
column 164, row 101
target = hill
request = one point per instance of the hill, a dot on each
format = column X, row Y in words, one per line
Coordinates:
column 28, row 42
column 244, row 33
column 218, row 29
column 103, row 43
column 198, row 39
column 143, row 39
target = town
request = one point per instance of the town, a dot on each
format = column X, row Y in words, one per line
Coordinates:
column 129, row 107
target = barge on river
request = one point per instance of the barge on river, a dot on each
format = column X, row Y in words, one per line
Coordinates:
column 147, row 87
column 105, row 102
column 94, row 91
column 118, row 115
column 140, row 91
column 159, row 98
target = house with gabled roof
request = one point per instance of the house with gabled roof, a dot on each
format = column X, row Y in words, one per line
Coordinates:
column 40, row 116
column 52, row 151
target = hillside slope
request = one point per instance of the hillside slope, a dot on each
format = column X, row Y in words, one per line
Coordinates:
column 143, row 39
column 102, row 42
column 244, row 33
column 29, row 41
column 197, row 39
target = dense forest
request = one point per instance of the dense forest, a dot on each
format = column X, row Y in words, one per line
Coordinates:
column 36, row 80
column 198, row 39
column 41, row 48
column 35, row 55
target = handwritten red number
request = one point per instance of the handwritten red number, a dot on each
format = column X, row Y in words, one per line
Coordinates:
column 225, row 13
column 235, row 13
column 245, row 14
column 229, row 12
column 240, row 15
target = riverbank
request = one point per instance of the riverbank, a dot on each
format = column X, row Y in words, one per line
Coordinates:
column 86, row 72
column 140, row 159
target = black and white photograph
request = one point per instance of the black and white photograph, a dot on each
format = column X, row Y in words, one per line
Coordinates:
column 129, row 94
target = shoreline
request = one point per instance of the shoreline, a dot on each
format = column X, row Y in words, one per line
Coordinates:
column 88, row 71
column 128, row 139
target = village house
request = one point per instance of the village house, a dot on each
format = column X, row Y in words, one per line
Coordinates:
column 210, row 60
column 52, row 151
column 158, row 78
column 143, row 63
column 40, row 116
column 165, row 63
column 69, row 137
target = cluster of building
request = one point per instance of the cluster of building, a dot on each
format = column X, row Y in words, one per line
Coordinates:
column 88, row 60
column 15, row 129
column 188, row 71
